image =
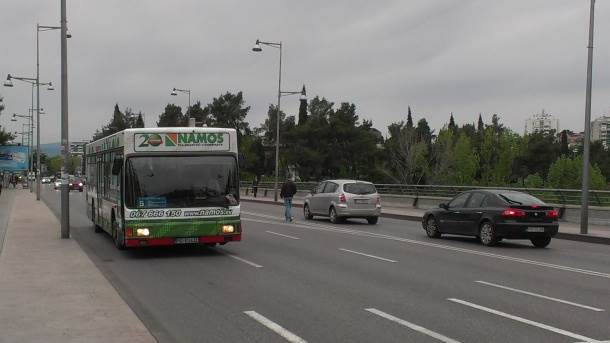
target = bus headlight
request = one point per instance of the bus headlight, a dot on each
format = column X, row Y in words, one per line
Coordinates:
column 228, row 229
column 144, row 232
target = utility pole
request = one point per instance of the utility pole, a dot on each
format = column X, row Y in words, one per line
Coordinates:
column 65, row 199
column 584, row 206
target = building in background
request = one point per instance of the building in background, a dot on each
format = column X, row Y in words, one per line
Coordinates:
column 600, row 131
column 541, row 123
column 575, row 140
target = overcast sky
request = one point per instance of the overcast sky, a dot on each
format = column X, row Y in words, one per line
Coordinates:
column 438, row 56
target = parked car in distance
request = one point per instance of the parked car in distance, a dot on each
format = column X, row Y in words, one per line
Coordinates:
column 492, row 215
column 57, row 183
column 76, row 184
column 45, row 180
column 341, row 199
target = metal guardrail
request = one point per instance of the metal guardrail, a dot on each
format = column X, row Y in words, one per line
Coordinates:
column 552, row 196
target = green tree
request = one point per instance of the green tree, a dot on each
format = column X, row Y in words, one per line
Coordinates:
column 303, row 109
column 139, row 121
column 200, row 114
column 466, row 161
column 423, row 131
column 566, row 172
column 452, row 126
column 564, row 148
column 409, row 118
column 229, row 110
column 534, row 181
column 54, row 164
column 171, row 117
column 4, row 136
column 443, row 157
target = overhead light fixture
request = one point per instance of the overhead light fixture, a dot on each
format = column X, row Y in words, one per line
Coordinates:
column 257, row 46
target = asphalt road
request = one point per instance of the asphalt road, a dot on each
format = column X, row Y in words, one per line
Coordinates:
column 318, row 282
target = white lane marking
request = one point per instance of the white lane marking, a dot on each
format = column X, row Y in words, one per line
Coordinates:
column 441, row 246
column 412, row 326
column 523, row 320
column 541, row 296
column 289, row 336
column 244, row 260
column 367, row 255
column 281, row 234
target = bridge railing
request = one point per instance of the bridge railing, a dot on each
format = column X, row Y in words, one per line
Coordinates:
column 549, row 195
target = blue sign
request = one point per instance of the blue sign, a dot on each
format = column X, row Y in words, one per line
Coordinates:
column 152, row 202
column 13, row 157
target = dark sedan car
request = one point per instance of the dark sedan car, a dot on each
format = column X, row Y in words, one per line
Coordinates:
column 492, row 215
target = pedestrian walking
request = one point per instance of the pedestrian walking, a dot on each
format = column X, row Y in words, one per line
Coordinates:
column 255, row 186
column 289, row 189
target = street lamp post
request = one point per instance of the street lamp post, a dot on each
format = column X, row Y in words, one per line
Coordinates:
column 257, row 48
column 39, row 28
column 34, row 82
column 188, row 110
column 65, row 200
column 584, row 205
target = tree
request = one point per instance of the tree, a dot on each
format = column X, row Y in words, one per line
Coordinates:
column 200, row 114
column 480, row 124
column 4, row 136
column 466, row 162
column 534, row 181
column 171, row 117
column 119, row 121
column 228, row 110
column 452, row 125
column 566, row 172
column 303, row 110
column 423, row 132
column 409, row 118
column 443, row 157
column 564, row 149
column 139, row 122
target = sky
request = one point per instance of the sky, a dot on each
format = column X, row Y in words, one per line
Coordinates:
column 464, row 57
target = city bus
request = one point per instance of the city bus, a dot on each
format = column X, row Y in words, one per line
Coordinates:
column 165, row 186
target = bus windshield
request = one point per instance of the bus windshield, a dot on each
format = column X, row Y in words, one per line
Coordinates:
column 181, row 181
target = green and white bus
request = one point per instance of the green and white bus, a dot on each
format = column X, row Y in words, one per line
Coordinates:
column 165, row 186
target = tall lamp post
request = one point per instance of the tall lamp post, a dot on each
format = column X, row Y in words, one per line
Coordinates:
column 278, row 45
column 65, row 196
column 188, row 110
column 40, row 28
column 584, row 205
column 34, row 82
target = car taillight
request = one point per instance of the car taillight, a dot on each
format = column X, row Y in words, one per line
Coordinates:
column 552, row 214
column 342, row 198
column 513, row 213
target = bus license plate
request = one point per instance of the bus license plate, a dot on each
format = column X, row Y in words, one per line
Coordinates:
column 535, row 229
column 186, row 240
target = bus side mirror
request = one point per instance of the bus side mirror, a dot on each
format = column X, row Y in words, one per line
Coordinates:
column 117, row 165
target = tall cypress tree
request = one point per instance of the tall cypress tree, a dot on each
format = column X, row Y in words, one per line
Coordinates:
column 452, row 125
column 303, row 109
column 565, row 149
column 409, row 118
column 140, row 121
column 480, row 125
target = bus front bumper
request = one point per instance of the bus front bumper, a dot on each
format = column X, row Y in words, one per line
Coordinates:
column 163, row 241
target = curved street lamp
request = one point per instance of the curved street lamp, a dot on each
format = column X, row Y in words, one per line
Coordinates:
column 278, row 45
column 185, row 91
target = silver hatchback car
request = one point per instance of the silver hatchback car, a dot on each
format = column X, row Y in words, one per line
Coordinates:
column 341, row 199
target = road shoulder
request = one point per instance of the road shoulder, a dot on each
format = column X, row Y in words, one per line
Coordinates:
column 51, row 291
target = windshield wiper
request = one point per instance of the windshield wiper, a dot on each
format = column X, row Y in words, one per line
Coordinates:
column 510, row 200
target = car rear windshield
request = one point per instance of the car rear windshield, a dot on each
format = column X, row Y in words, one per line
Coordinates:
column 359, row 188
column 514, row 198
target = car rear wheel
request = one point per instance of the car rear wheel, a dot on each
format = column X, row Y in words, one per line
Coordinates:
column 334, row 218
column 372, row 220
column 307, row 212
column 540, row 242
column 488, row 234
column 432, row 228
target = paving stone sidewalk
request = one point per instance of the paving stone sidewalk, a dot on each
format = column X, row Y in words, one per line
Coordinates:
column 49, row 289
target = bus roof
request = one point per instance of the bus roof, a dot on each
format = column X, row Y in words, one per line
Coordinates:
column 168, row 139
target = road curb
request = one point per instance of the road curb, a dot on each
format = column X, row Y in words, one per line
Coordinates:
column 560, row 235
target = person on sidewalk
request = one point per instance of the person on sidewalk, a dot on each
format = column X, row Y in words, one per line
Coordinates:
column 289, row 189
column 255, row 186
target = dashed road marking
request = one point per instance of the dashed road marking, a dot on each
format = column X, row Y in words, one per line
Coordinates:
column 523, row 320
column 540, row 296
column 282, row 235
column 412, row 326
column 368, row 255
column 289, row 336
column 255, row 265
column 440, row 246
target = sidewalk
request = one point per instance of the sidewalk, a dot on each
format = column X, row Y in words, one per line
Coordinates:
column 570, row 231
column 49, row 289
